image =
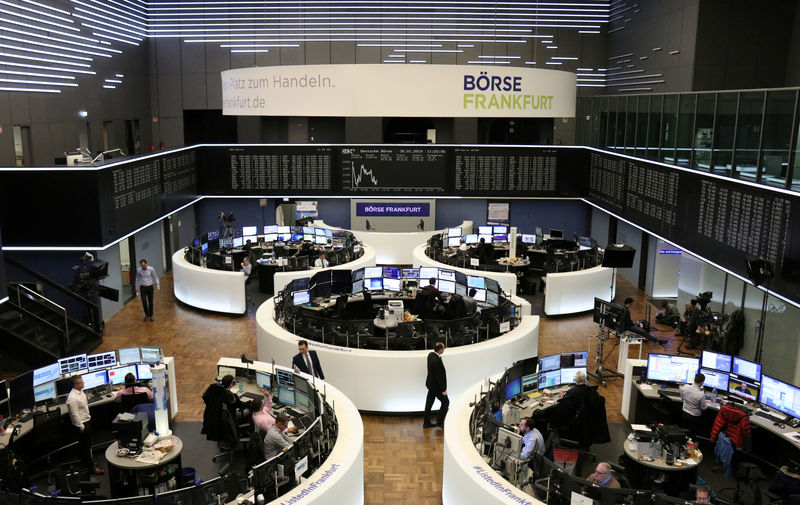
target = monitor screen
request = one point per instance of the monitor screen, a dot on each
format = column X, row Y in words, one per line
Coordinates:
column 556, row 234
column 500, row 230
column 484, row 230
column 263, row 380
column 144, row 372
column 528, row 239
column 454, row 232
column 715, row 380
column 716, row 361
column 204, row 248
column 226, row 243
column 94, row 379
column 284, row 237
column 253, row 239
column 447, row 286
column 492, row 298
column 678, row 369
column 308, row 230
column 222, row 371
column 461, row 290
column 480, row 295
column 747, row 369
column 574, row 359
column 499, row 238
column 323, row 240
column 116, row 376
column 129, row 355
column 286, row 396
column 297, row 237
column 196, row 242
column 780, row 396
column 322, row 231
column 285, row 377
column 530, row 383
column 391, row 284
column 476, row 282
column 568, row 374
column 249, row 230
column 301, row 297
column 486, row 238
column 454, row 241
column 492, row 285
column 284, row 230
column 270, row 237
column 72, row 364
column 743, row 387
column 472, row 238
column 22, row 392
column 46, row 391
column 328, row 233
column 374, row 284
column 585, row 241
column 372, row 272
column 428, row 272
column 308, row 238
column 550, row 363
column 447, row 275
column 46, row 374
column 102, row 360
column 358, row 274
column 391, row 272
column 151, row 354
column 549, row 379
column 411, row 273
column 238, row 241
column 63, row 386
column 513, row 388
column 358, row 286
column 271, row 229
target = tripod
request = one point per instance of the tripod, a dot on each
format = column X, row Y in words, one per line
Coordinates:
column 602, row 373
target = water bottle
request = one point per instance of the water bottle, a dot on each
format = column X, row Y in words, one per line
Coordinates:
column 241, row 387
column 652, row 451
column 714, row 395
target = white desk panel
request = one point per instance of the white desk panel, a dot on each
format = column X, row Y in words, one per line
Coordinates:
column 217, row 290
column 281, row 279
column 573, row 292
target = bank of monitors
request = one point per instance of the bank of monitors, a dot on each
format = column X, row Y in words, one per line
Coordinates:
column 747, row 369
column 672, row 369
column 116, row 376
column 780, row 396
column 22, row 392
column 715, row 379
column 301, row 297
column 47, row 373
column 73, row 364
column 94, row 379
column 743, row 387
column 129, row 355
column 101, row 360
column 716, row 361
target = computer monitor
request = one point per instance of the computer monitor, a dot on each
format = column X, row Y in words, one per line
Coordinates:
column 448, row 275
column 461, row 290
column 500, row 230
column 528, row 238
column 780, row 396
column 116, row 376
column 744, row 368
column 472, row 238
column 151, row 354
column 374, row 284
column 285, row 377
column 556, row 234
column 568, row 374
column 301, row 297
column 102, row 360
column 226, row 243
column 183, row 496
column 238, row 242
column 373, row 272
column 411, row 273
column 513, row 388
column 222, row 371
column 284, row 230
column 307, row 230
column 44, row 392
column 286, row 396
column 675, row 369
column 47, row 373
column 391, row 284
column 320, row 240
column 426, row 273
column 484, row 230
column 94, row 379
column 270, row 229
column 573, row 359
column 297, row 237
column 486, row 238
column 213, row 235
column 743, row 387
column 22, row 392
column 492, row 298
column 249, row 230
column 72, row 364
column 716, row 361
column 480, row 295
column 270, row 237
column 499, row 237
column 263, row 380
column 322, row 231
column 358, row 286
column 63, row 386
column 391, row 272
column 476, row 282
column 129, row 355
column 204, row 248
column 492, row 285
column 530, row 383
column 550, row 379
column 715, row 380
column 144, row 372
column 454, row 232
column 510, row 440
column 584, row 241
column 548, row 363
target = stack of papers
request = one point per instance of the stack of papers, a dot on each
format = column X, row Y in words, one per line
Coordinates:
column 150, row 457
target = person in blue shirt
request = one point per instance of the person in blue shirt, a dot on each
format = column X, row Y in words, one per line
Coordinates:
column 532, row 440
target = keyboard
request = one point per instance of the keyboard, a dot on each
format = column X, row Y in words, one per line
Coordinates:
column 670, row 393
column 252, row 396
column 766, row 415
column 25, row 418
column 294, row 413
column 94, row 399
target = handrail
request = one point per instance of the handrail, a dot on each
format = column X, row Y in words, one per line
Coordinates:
column 65, row 344
column 31, row 314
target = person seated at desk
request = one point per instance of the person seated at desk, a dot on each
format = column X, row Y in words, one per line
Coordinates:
column 694, row 403
column 131, row 388
column 470, row 304
column 602, row 476
column 462, row 245
column 262, row 418
column 702, row 495
column 532, row 440
column 247, row 267
column 430, row 301
column 629, row 326
column 276, row 440
column 433, row 291
column 321, row 262
column 485, row 252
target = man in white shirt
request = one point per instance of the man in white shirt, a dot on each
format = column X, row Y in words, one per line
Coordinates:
column 462, row 245
column 694, row 403
column 532, row 440
column 146, row 280
column 321, row 262
column 81, row 420
column 247, row 267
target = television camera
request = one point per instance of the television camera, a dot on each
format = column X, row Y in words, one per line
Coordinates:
column 225, row 221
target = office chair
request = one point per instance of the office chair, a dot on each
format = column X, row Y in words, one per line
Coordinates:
column 130, row 401
column 423, row 304
column 46, row 431
column 70, row 484
column 341, row 304
column 371, row 307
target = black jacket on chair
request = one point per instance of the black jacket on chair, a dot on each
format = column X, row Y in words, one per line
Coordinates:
column 218, row 417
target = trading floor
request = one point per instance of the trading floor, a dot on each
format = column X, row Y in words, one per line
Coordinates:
column 402, row 462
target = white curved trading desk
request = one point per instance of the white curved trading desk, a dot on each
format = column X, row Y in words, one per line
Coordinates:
column 204, row 288
column 395, row 248
column 367, row 259
column 394, row 381
column 573, row 292
column 466, row 477
column 507, row 280
column 340, row 479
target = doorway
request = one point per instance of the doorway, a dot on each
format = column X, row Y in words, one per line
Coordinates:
column 126, row 255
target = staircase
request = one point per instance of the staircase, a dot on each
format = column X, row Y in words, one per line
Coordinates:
column 36, row 330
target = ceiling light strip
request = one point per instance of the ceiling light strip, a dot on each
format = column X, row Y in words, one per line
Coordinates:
column 38, row 20
column 29, row 90
column 44, row 67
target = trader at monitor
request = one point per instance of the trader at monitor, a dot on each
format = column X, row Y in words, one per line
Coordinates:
column 131, row 389
column 602, row 476
column 694, row 403
column 321, row 262
column 307, row 361
column 532, row 440
column 276, row 440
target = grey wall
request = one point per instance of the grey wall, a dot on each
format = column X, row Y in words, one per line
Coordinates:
column 114, row 280
column 149, row 245
column 599, row 227
column 628, row 235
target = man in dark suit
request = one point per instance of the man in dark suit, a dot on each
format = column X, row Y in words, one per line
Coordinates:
column 307, row 361
column 436, row 382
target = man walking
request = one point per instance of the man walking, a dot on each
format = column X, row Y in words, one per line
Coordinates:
column 146, row 278
column 436, row 382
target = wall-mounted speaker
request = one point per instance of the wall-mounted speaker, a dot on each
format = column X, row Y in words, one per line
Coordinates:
column 618, row 256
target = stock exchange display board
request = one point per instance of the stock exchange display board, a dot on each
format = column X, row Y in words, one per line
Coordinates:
column 478, row 170
column 260, row 169
column 392, row 169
